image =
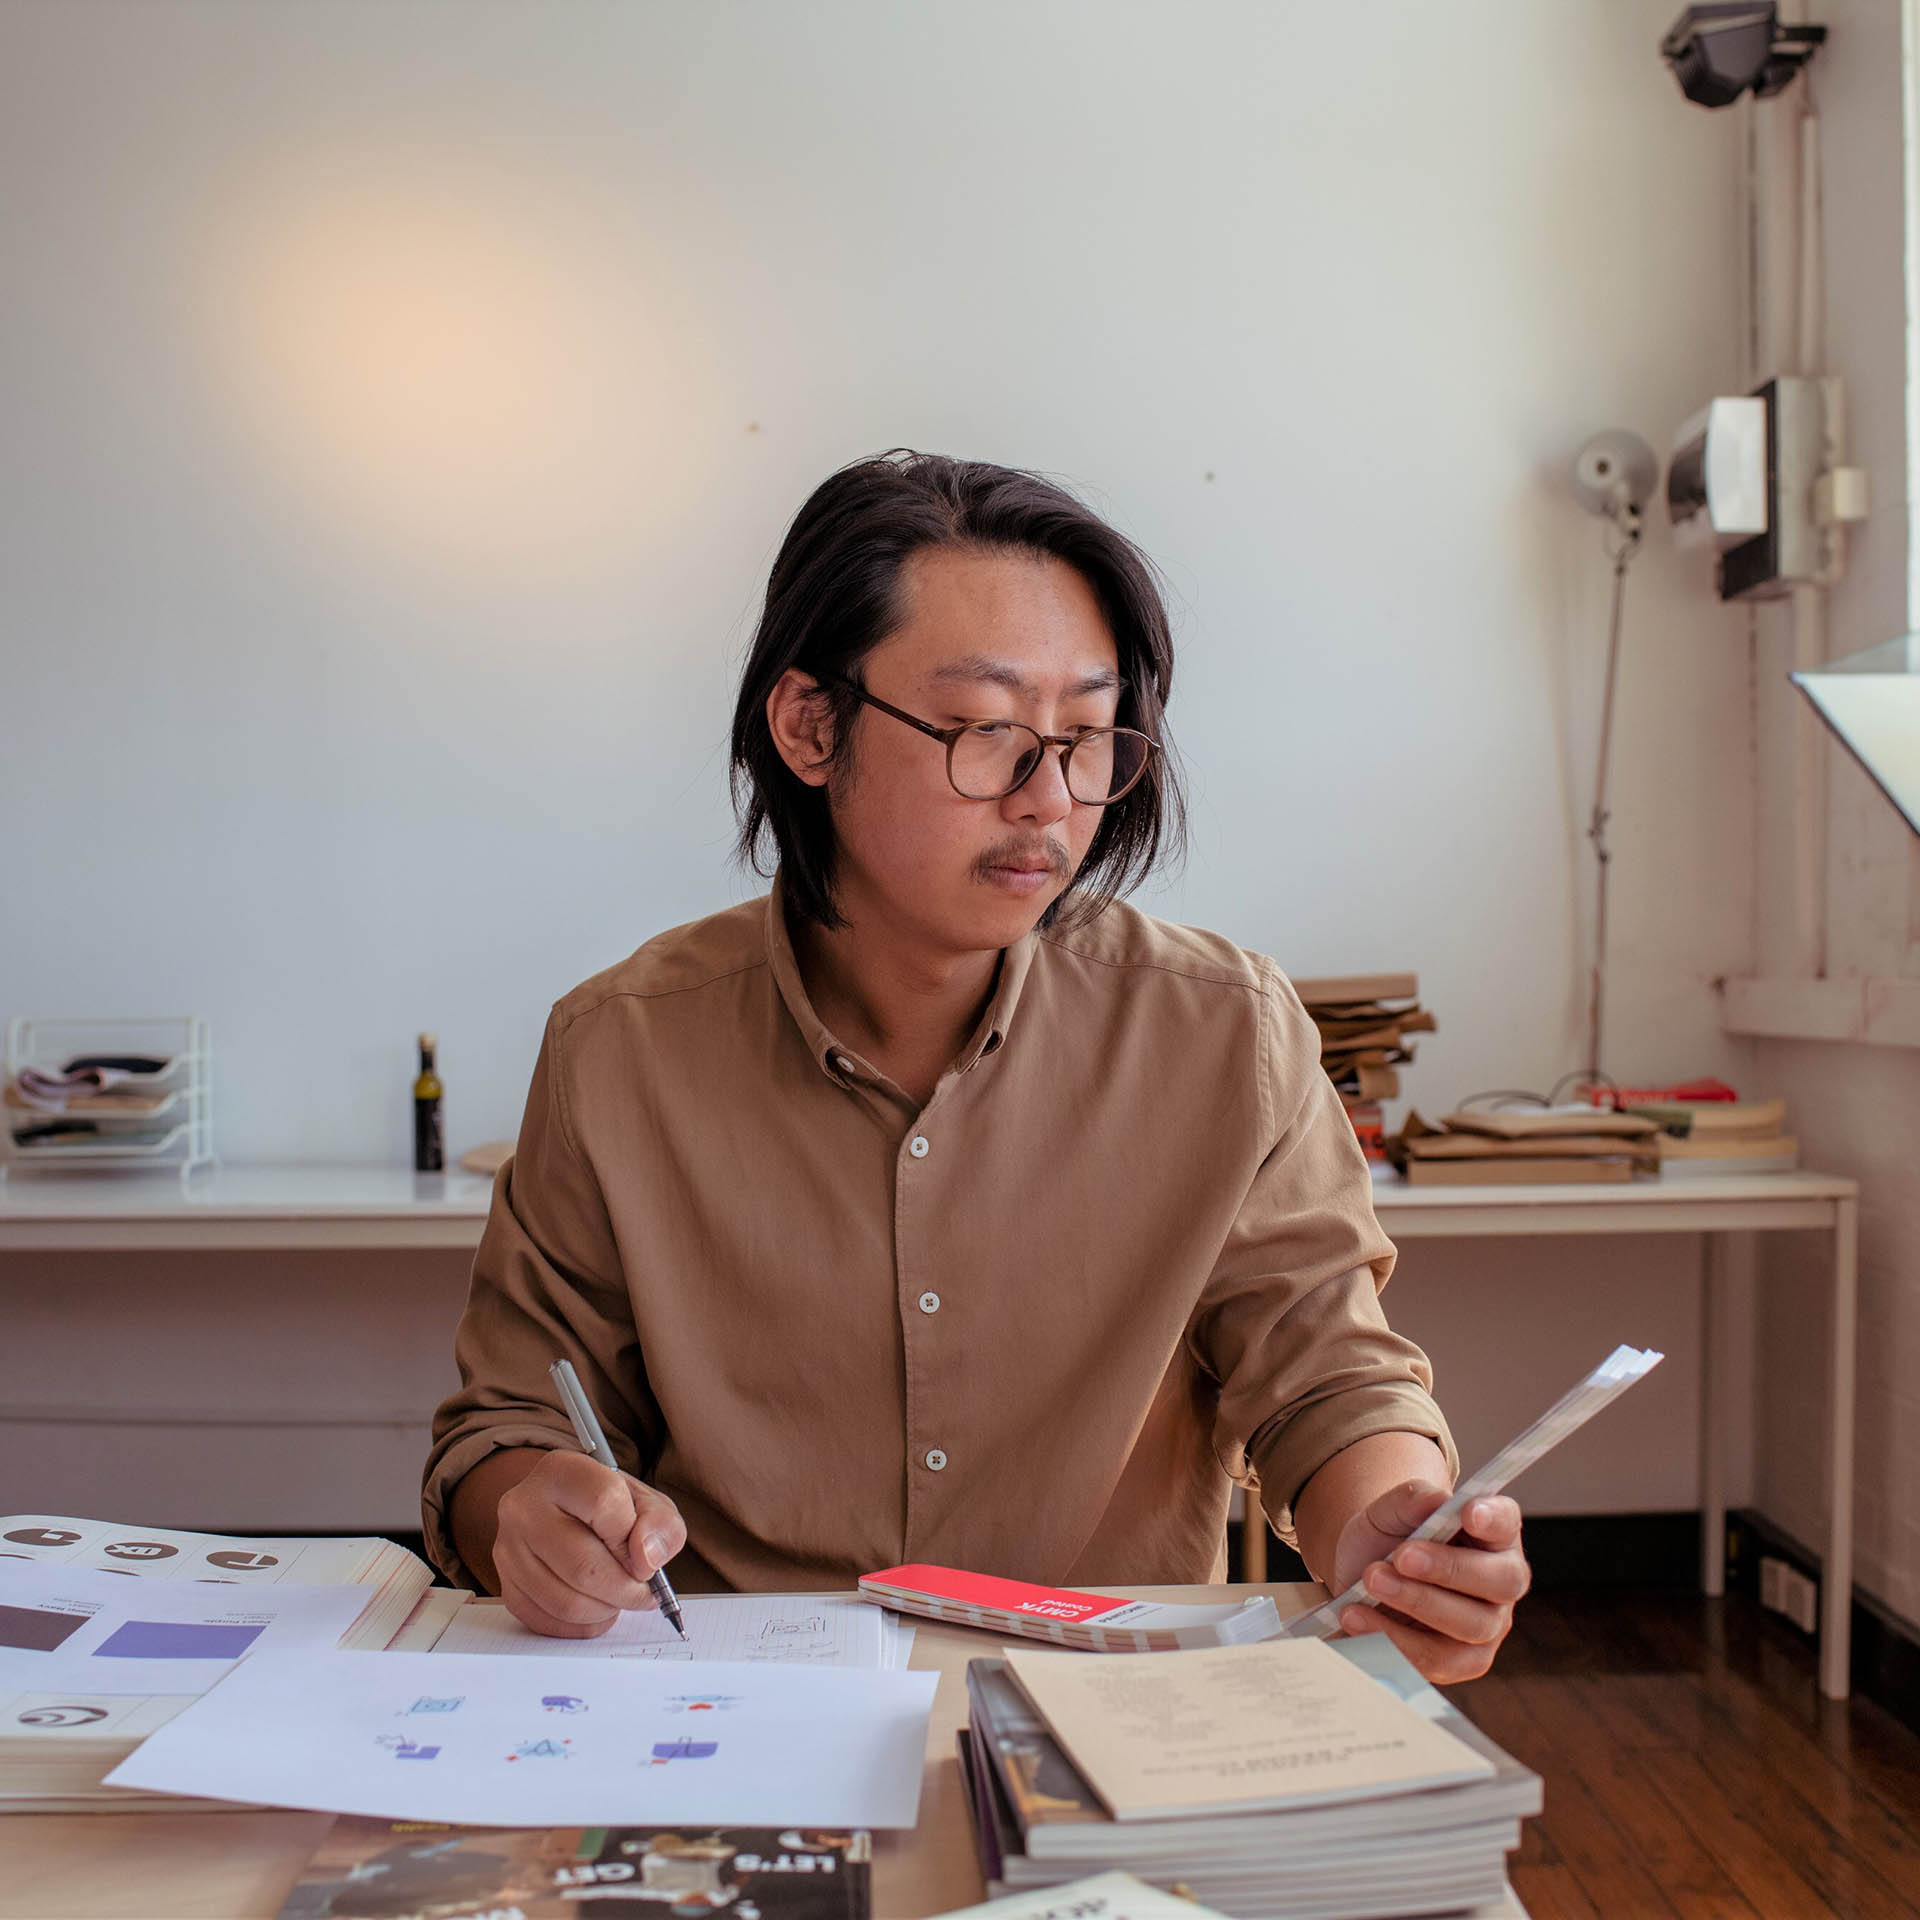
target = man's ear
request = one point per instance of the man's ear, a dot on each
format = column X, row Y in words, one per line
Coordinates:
column 800, row 718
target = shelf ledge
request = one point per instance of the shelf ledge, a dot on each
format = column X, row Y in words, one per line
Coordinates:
column 1868, row 1010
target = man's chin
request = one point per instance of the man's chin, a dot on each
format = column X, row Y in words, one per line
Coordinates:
column 1008, row 907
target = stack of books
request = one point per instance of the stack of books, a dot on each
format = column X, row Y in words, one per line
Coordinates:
column 1364, row 1020
column 1714, row 1139
column 1527, row 1146
column 1294, row 1780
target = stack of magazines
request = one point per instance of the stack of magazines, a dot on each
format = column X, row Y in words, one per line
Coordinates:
column 1252, row 1786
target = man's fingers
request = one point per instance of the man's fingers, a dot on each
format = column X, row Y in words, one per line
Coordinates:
column 658, row 1533
column 1458, row 1616
column 539, row 1598
column 580, row 1559
column 1487, row 1575
column 600, row 1498
column 1492, row 1521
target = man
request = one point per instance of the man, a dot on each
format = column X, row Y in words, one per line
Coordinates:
column 939, row 1206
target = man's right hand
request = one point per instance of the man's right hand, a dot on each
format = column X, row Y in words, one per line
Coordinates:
column 573, row 1542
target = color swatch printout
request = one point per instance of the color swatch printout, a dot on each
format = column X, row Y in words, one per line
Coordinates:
column 67, row 1628
column 550, row 1742
column 791, row 1629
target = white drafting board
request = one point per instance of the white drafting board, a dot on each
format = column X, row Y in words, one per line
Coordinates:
column 519, row 1743
column 791, row 1629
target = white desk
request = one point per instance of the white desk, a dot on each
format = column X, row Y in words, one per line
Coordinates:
column 361, row 1207
column 246, row 1208
column 1711, row 1208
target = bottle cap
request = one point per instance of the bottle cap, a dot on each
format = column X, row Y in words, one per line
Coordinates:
column 429, row 1040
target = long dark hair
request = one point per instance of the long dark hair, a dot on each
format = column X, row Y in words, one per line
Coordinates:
column 833, row 596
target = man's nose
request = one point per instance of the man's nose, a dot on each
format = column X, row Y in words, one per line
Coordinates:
column 1044, row 798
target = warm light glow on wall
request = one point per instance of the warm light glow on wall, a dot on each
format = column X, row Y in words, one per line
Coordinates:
column 455, row 361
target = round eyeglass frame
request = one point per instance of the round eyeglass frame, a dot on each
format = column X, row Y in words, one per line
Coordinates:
column 1066, row 742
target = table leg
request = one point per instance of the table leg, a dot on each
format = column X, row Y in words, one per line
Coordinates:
column 1713, row 1418
column 1836, row 1597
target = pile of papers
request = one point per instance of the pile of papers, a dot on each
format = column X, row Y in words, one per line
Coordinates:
column 1526, row 1146
column 1364, row 1020
column 1714, row 1139
column 1298, row 1780
column 120, row 1098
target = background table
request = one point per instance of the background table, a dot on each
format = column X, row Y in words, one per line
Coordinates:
column 277, row 1208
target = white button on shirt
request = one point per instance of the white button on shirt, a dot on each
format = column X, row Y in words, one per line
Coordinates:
column 918, row 1146
column 935, row 1460
column 929, row 1302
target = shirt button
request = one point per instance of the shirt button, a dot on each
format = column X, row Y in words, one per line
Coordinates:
column 935, row 1460
column 929, row 1303
column 841, row 1061
column 919, row 1146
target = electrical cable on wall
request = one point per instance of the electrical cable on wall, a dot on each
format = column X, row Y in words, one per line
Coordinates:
column 1613, row 476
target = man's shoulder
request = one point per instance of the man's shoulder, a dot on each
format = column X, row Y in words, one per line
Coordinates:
column 680, row 961
column 1128, row 947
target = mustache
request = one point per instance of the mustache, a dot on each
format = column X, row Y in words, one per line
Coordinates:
column 1008, row 853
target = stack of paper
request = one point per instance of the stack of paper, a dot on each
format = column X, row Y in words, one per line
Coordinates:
column 1293, row 1780
column 1365, row 1021
column 1529, row 1146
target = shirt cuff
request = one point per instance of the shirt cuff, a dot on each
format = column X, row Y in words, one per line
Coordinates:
column 451, row 1465
column 1291, row 1448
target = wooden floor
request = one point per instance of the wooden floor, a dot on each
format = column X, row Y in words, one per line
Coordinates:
column 1692, row 1769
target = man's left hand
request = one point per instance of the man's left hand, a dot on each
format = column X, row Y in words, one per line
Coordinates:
column 1447, row 1608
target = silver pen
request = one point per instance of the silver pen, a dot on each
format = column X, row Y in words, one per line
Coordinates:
column 580, row 1411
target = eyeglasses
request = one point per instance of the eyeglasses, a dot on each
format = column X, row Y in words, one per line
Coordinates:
column 989, row 759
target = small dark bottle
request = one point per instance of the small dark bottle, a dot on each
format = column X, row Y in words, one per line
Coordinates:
column 429, row 1141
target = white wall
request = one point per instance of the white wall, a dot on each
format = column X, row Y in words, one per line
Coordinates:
column 1856, row 1108
column 405, row 402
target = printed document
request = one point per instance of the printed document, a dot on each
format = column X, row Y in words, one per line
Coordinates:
column 554, row 1742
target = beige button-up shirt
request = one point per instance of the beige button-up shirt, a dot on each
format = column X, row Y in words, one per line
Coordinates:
column 1124, row 1256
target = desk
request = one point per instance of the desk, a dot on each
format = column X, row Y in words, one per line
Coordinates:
column 271, row 1208
column 239, row 1866
column 1711, row 1208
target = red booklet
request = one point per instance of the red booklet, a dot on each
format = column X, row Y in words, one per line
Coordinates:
column 1068, row 1616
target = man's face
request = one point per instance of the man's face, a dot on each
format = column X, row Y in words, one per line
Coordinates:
column 987, row 636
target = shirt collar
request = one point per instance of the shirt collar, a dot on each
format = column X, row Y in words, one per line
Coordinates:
column 837, row 1061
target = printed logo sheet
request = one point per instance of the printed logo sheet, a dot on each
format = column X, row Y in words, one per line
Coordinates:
column 551, row 1742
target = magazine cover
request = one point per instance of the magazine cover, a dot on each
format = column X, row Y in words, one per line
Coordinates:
column 417, row 1870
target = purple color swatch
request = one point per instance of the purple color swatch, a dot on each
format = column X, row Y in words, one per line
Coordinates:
column 177, row 1640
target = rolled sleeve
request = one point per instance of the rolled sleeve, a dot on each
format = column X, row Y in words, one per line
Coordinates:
column 1290, row 1323
column 547, row 1285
